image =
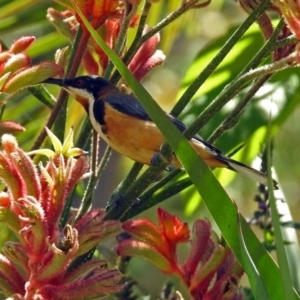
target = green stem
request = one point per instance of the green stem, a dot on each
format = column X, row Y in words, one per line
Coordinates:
column 210, row 68
column 125, row 184
column 104, row 161
column 235, row 115
column 83, row 141
column 146, row 202
column 284, row 42
column 120, row 42
column 265, row 50
column 234, row 89
column 146, row 197
column 134, row 46
column 286, row 62
column 2, row 109
column 233, row 118
column 86, row 201
column 124, row 202
column 139, row 40
column 148, row 193
column 168, row 20
column 42, row 94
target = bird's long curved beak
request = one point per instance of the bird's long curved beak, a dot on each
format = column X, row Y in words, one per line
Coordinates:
column 59, row 82
column 72, row 91
column 56, row 81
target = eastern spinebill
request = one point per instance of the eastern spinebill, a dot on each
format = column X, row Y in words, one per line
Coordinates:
column 124, row 125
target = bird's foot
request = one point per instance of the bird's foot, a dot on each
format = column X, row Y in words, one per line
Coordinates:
column 158, row 159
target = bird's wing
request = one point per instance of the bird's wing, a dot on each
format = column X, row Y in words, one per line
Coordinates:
column 129, row 105
column 197, row 137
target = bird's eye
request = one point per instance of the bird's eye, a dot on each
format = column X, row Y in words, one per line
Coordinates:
column 79, row 83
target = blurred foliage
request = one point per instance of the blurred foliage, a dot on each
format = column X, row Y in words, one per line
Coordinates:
column 280, row 95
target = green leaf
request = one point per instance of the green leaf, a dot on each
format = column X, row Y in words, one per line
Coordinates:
column 257, row 286
column 286, row 279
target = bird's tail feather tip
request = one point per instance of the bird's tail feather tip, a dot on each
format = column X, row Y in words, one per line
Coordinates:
column 251, row 173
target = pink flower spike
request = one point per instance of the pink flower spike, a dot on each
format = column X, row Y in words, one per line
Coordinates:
column 16, row 62
column 55, row 261
column 226, row 284
column 64, row 22
column 34, row 228
column 146, row 57
column 11, row 281
column 85, row 270
column 9, row 143
column 92, row 230
column 9, row 174
column 79, row 169
column 208, row 266
column 17, row 254
column 32, row 76
column 156, row 243
column 144, row 230
column 28, row 172
column 132, row 247
column 155, row 60
column 4, row 57
column 21, row 44
column 146, row 51
column 10, row 127
column 97, row 285
column 40, row 265
column 199, row 246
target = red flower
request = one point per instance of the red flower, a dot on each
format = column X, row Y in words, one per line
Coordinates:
column 290, row 9
column 210, row 271
column 15, row 70
column 147, row 57
column 38, row 266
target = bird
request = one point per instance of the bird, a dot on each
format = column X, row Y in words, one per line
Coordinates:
column 123, row 123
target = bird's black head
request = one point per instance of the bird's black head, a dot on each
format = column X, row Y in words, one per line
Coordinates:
column 85, row 89
column 92, row 84
column 82, row 85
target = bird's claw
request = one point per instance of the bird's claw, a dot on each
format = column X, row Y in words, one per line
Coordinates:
column 157, row 159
